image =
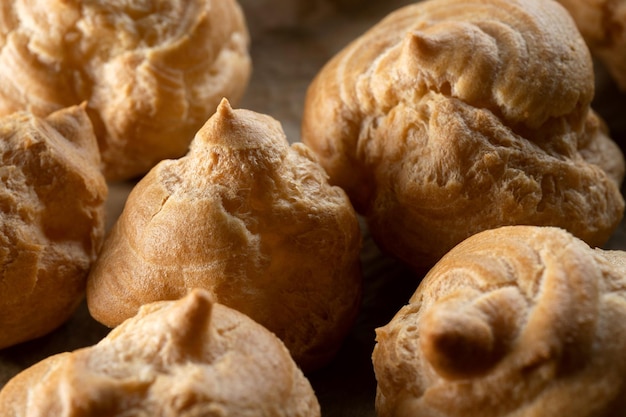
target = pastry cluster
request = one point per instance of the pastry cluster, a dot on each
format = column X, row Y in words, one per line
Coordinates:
column 519, row 320
column 52, row 195
column 461, row 130
column 252, row 220
column 450, row 117
column 243, row 219
column 191, row 357
column 151, row 72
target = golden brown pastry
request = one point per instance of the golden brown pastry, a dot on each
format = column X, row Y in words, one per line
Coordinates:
column 518, row 321
column 51, row 219
column 603, row 25
column 252, row 220
column 185, row 358
column 151, row 72
column 451, row 116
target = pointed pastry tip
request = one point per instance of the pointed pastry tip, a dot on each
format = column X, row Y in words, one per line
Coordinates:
column 421, row 44
column 465, row 336
column 196, row 305
column 224, row 109
column 190, row 319
column 74, row 124
column 240, row 129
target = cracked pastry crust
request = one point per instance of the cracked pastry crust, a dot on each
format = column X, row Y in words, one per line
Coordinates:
column 185, row 358
column 151, row 72
column 450, row 117
column 603, row 25
column 51, row 219
column 520, row 320
column 249, row 218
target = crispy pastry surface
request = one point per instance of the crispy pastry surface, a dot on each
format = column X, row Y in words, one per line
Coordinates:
column 186, row 358
column 517, row 321
column 51, row 219
column 451, row 116
column 151, row 72
column 249, row 218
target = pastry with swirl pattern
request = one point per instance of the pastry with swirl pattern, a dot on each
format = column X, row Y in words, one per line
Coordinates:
column 515, row 321
column 151, row 72
column 450, row 117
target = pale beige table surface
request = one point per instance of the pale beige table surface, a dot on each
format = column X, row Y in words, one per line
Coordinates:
column 287, row 52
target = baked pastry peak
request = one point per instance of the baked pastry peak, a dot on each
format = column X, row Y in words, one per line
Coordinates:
column 242, row 130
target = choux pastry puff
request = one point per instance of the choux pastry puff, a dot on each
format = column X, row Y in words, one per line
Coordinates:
column 250, row 219
column 52, row 195
column 450, row 117
column 186, row 358
column 521, row 321
column 151, row 72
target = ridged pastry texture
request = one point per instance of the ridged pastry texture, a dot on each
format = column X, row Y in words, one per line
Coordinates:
column 151, row 72
column 51, row 219
column 603, row 25
column 249, row 218
column 517, row 321
column 450, row 117
column 186, row 358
